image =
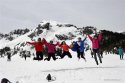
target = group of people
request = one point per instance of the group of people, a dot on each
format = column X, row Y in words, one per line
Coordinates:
column 52, row 50
column 77, row 46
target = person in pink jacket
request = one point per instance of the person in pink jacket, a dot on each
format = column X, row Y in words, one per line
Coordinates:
column 51, row 49
column 95, row 46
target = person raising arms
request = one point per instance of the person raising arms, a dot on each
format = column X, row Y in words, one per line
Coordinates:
column 95, row 46
column 39, row 48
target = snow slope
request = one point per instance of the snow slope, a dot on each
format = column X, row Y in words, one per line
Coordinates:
column 48, row 34
column 65, row 71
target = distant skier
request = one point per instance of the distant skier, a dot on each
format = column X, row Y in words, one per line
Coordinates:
column 24, row 55
column 121, row 52
column 8, row 55
column 95, row 46
column 1, row 55
column 65, row 49
column 39, row 48
column 51, row 49
column 78, row 46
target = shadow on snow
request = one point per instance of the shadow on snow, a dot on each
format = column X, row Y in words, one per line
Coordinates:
column 74, row 69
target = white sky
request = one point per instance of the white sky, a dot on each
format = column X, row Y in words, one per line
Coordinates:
column 103, row 14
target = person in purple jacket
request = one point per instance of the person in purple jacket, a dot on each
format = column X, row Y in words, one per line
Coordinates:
column 95, row 46
column 51, row 49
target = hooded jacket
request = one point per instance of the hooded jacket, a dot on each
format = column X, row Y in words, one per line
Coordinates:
column 120, row 51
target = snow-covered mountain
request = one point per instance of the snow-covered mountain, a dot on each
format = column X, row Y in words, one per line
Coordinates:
column 5, row 38
column 50, row 30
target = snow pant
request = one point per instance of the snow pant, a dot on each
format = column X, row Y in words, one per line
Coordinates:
column 96, row 53
column 80, row 54
column 66, row 53
column 51, row 55
column 39, row 55
column 121, row 56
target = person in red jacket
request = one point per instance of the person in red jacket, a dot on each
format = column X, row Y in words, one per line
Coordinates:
column 51, row 49
column 95, row 46
column 39, row 48
column 65, row 49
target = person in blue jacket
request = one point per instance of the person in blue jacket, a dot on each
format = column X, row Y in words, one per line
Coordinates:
column 78, row 46
column 121, row 52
